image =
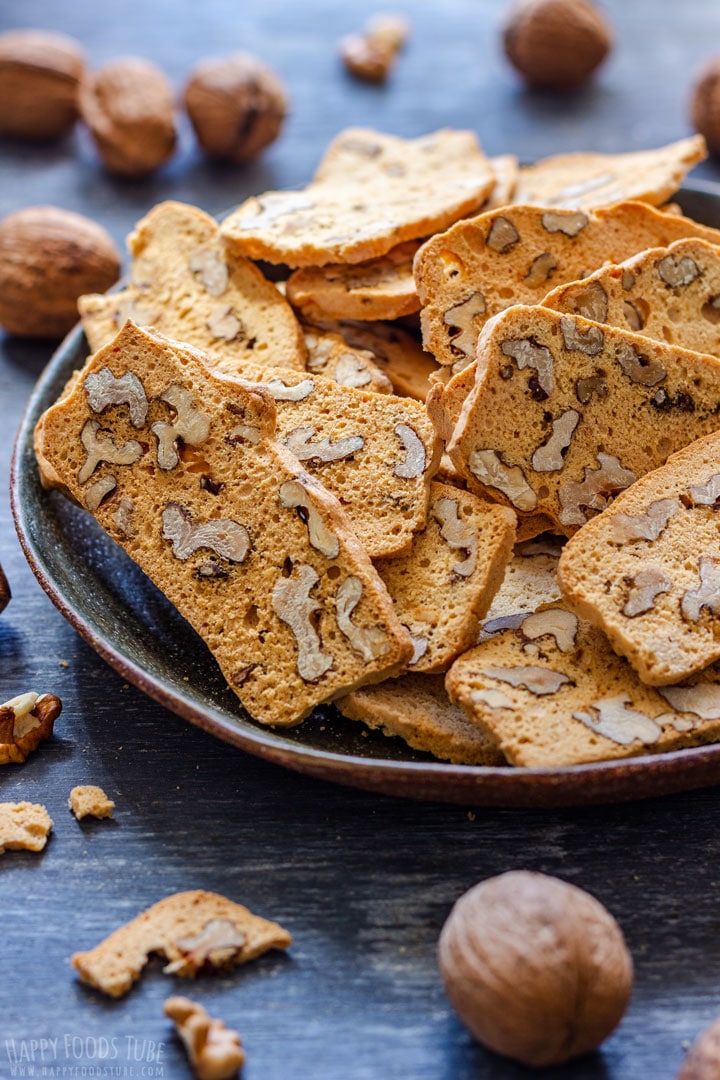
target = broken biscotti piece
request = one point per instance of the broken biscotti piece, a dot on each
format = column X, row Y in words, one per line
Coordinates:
column 481, row 266
column 180, row 466
column 589, row 180
column 5, row 594
column 383, row 288
column 670, row 294
column 370, row 193
column 647, row 570
column 25, row 722
column 24, row 826
column 417, row 709
column 444, row 585
column 507, row 169
column 566, row 413
column 552, row 692
column 214, row 1051
column 330, row 355
column 394, row 350
column 529, row 583
column 184, row 284
column 88, row 800
column 375, row 452
column 195, row 931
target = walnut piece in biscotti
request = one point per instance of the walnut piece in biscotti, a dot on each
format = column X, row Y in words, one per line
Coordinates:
column 646, row 570
column 551, row 692
column 416, row 708
column 183, row 469
column 88, row 800
column 599, row 408
column 669, row 294
column 445, row 584
column 589, row 180
column 383, row 288
column 166, row 928
column 214, row 1051
column 186, row 285
column 24, row 826
column 25, row 722
column 529, row 582
column 328, row 354
column 517, row 254
column 370, row 193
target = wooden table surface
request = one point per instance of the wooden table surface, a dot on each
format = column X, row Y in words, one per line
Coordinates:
column 363, row 882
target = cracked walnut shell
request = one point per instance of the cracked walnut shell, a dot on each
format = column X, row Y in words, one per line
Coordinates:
column 537, row 969
column 236, row 105
column 40, row 73
column 556, row 44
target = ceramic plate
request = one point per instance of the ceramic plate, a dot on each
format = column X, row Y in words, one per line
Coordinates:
column 132, row 626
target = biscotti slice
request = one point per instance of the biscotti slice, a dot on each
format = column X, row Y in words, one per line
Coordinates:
column 552, row 692
column 376, row 452
column 395, row 351
column 507, row 169
column 588, row 180
column 647, row 570
column 566, row 413
column 529, row 583
column 416, row 708
column 383, row 288
column 516, row 255
column 180, row 466
column 371, row 193
column 670, row 294
column 184, row 284
column 330, row 355
column 444, row 585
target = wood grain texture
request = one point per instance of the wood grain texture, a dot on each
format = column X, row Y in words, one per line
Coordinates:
column 363, row 882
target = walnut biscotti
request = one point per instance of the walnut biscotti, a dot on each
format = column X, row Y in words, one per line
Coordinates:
column 647, row 570
column 670, row 294
column 330, row 355
column 516, row 255
column 375, row 452
column 551, row 692
column 444, row 585
column 181, row 468
column 566, row 413
column 185, row 285
column 383, row 288
column 529, row 583
column 395, row 351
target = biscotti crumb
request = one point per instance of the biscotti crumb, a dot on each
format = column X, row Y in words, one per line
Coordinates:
column 24, row 826
column 88, row 800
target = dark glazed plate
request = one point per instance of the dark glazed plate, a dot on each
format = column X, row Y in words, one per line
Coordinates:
column 132, row 626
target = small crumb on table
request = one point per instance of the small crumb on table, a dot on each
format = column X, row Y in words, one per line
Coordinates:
column 23, row 826
column 87, row 800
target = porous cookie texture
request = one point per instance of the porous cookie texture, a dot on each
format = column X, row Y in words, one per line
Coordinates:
column 588, row 180
column 396, row 352
column 24, row 826
column 184, row 284
column 517, row 255
column 444, row 585
column 181, row 467
column 330, row 355
column 507, row 169
column 647, row 570
column 670, row 294
column 26, row 721
column 416, row 708
column 375, row 452
column 529, row 583
column 552, row 692
column 371, row 192
column 195, row 931
column 88, row 800
column 383, row 288
column 566, row 413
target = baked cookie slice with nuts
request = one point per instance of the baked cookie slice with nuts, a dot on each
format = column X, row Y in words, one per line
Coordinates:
column 181, row 467
column 371, row 192
column 184, row 284
column 375, row 452
column 670, row 294
column 551, row 692
column 566, row 413
column 516, row 255
column 416, row 708
column 328, row 354
column 444, row 585
column 589, row 180
column 647, row 570
column 530, row 581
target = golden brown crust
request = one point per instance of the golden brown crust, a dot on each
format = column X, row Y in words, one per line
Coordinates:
column 24, row 826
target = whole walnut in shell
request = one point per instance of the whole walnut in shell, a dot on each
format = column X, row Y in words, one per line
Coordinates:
column 128, row 106
column 556, row 44
column 537, row 969
column 703, row 1057
column 236, row 105
column 39, row 77
column 48, row 258
column 705, row 104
